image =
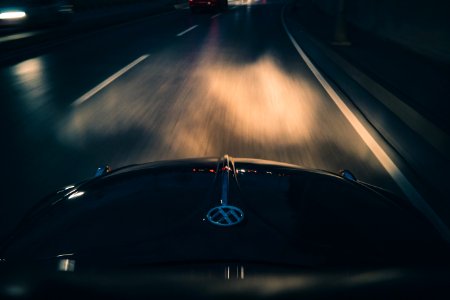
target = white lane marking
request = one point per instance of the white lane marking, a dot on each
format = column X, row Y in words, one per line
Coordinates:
column 187, row 30
column 106, row 82
column 18, row 36
column 181, row 6
column 216, row 15
column 234, row 7
column 387, row 163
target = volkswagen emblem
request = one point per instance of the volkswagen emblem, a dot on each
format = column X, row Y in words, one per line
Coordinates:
column 225, row 215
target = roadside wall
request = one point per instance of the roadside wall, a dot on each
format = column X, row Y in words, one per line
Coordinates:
column 422, row 26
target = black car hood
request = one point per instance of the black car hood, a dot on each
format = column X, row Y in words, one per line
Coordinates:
column 205, row 210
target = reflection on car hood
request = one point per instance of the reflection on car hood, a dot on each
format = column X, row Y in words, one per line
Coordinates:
column 224, row 209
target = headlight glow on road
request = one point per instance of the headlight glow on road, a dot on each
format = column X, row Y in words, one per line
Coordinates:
column 32, row 83
column 12, row 15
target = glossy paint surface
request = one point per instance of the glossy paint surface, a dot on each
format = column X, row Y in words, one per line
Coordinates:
column 159, row 213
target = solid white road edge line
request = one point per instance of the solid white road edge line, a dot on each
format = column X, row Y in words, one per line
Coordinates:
column 396, row 174
column 106, row 82
column 187, row 30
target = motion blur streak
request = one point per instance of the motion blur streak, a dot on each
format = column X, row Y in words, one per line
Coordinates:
column 253, row 109
column 11, row 15
column 374, row 276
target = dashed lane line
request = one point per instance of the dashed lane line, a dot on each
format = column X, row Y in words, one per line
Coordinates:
column 108, row 81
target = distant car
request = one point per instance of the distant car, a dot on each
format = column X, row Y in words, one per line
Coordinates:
column 196, row 5
column 34, row 12
column 223, row 228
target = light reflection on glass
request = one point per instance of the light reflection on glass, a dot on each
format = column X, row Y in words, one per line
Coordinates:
column 227, row 272
column 76, row 195
column 65, row 254
column 66, row 265
column 67, row 188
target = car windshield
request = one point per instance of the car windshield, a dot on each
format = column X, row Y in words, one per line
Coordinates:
column 325, row 85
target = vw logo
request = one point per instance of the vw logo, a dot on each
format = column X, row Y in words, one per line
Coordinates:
column 225, row 215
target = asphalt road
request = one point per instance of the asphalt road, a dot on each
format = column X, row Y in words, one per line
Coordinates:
column 176, row 85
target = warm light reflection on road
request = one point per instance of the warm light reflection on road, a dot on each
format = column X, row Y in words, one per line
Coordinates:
column 251, row 109
column 31, row 84
column 219, row 105
column 218, row 100
column 257, row 102
column 29, row 70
